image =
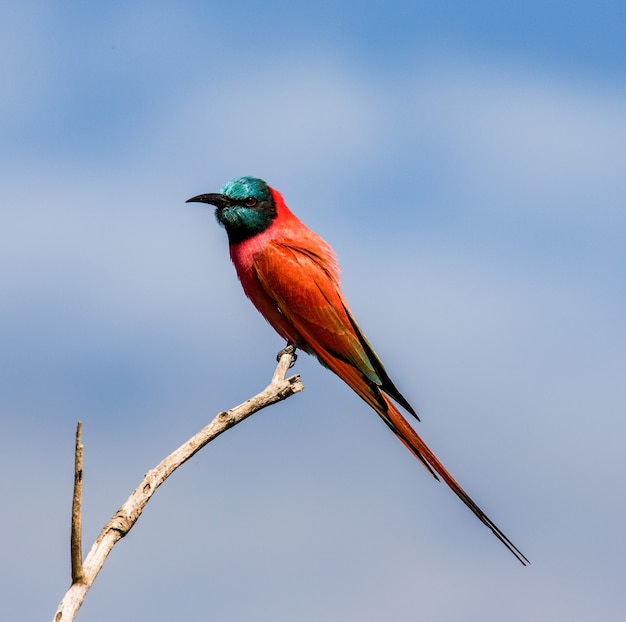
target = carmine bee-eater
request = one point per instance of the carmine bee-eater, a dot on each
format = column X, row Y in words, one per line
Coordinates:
column 291, row 276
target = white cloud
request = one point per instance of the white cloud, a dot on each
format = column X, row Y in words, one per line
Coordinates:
column 527, row 141
column 302, row 119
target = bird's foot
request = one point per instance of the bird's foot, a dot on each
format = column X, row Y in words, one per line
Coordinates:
column 290, row 348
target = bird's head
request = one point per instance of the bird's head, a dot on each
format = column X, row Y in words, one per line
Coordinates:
column 244, row 206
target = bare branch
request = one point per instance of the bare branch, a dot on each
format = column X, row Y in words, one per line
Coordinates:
column 124, row 519
column 76, row 549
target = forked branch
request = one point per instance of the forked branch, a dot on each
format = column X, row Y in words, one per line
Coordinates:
column 83, row 574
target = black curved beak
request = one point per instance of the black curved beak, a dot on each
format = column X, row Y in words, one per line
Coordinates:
column 219, row 200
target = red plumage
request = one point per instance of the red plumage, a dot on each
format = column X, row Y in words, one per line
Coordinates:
column 291, row 276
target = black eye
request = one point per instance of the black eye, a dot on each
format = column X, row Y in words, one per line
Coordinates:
column 250, row 202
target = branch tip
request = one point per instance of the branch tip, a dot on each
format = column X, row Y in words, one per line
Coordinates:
column 76, row 554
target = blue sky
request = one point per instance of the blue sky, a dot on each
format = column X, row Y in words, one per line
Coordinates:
column 465, row 160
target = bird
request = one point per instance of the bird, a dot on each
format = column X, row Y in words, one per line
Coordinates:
column 291, row 276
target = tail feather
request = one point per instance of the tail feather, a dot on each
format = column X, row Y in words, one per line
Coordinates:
column 373, row 395
column 401, row 428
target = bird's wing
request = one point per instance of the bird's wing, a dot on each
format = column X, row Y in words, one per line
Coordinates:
column 305, row 287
